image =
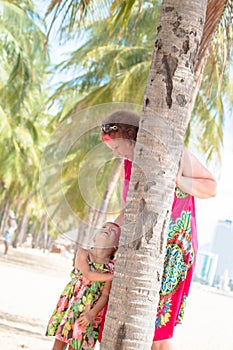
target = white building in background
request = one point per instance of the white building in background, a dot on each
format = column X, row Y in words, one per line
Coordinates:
column 215, row 266
column 222, row 245
column 205, row 269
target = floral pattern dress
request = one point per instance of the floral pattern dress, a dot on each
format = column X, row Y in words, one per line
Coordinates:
column 179, row 262
column 179, row 265
column 79, row 295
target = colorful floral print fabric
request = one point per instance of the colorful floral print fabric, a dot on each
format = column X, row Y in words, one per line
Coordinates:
column 79, row 296
column 178, row 266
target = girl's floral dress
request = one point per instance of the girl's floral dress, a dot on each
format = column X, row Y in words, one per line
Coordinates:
column 79, row 295
column 179, row 260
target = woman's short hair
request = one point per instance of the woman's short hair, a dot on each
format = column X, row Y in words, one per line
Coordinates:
column 121, row 123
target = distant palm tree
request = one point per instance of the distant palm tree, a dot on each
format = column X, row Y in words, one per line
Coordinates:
column 22, row 104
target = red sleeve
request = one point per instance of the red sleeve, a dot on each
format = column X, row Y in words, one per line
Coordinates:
column 128, row 167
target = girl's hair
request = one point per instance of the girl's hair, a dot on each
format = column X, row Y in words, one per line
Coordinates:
column 120, row 124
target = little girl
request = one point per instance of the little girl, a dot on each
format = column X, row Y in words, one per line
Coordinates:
column 78, row 314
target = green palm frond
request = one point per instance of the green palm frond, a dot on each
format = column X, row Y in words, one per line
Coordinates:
column 74, row 13
column 23, row 61
column 208, row 114
column 70, row 166
column 25, row 6
column 23, row 57
column 104, row 66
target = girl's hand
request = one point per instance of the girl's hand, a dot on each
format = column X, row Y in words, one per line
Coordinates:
column 85, row 318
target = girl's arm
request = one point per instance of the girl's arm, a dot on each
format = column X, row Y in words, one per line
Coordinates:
column 81, row 263
column 194, row 178
column 86, row 317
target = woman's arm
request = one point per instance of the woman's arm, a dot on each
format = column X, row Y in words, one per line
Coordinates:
column 86, row 317
column 81, row 263
column 194, row 178
column 120, row 218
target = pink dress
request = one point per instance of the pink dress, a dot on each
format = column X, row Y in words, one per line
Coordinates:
column 179, row 261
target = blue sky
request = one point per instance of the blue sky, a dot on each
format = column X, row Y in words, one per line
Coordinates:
column 58, row 50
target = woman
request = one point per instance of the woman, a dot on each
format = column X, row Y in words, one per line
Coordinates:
column 119, row 132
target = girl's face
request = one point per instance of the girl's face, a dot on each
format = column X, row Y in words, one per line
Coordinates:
column 121, row 148
column 107, row 236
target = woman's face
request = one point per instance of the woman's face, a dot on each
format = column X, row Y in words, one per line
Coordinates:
column 121, row 148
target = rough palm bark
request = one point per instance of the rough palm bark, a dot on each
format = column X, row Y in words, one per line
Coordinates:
column 135, row 290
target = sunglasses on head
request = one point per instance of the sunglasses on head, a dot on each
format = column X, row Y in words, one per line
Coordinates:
column 108, row 128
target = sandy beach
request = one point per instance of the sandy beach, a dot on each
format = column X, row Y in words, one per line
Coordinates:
column 32, row 280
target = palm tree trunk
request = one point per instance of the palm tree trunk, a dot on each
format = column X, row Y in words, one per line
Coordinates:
column 22, row 230
column 45, row 233
column 38, row 240
column 4, row 214
column 135, row 290
column 102, row 210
